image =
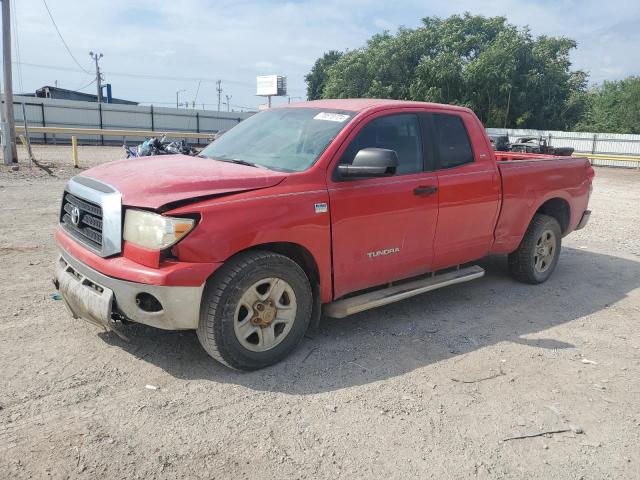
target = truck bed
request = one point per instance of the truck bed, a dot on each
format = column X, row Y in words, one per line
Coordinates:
column 530, row 180
column 517, row 156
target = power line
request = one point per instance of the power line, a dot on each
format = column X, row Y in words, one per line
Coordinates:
column 87, row 85
column 151, row 102
column 84, row 80
column 197, row 91
column 194, row 102
column 62, row 38
column 146, row 76
column 179, row 79
column 138, row 75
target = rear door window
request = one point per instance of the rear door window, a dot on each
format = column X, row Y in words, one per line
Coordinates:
column 451, row 139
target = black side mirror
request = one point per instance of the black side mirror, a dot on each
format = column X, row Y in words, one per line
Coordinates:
column 371, row 162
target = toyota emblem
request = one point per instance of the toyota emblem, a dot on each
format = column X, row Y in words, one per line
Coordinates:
column 75, row 216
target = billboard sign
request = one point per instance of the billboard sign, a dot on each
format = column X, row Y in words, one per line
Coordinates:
column 271, row 85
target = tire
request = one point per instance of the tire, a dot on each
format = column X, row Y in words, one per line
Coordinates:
column 242, row 323
column 537, row 256
column 563, row 151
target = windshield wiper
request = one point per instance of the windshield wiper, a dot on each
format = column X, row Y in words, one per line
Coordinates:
column 243, row 162
column 234, row 160
column 239, row 162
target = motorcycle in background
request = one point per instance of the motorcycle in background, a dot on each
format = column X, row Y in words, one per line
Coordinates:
column 159, row 146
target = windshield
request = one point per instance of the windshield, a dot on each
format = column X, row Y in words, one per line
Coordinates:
column 285, row 139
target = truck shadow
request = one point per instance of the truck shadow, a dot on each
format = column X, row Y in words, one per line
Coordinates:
column 400, row 338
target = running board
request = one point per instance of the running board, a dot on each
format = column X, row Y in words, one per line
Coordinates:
column 384, row 296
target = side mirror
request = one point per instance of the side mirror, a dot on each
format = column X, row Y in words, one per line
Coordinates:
column 371, row 162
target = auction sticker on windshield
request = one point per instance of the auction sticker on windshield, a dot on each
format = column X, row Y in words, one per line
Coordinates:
column 331, row 117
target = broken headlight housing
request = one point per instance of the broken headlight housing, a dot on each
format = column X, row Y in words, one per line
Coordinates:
column 153, row 231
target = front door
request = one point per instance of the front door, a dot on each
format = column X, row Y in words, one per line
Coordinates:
column 383, row 228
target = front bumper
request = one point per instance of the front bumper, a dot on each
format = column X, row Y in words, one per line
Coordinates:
column 584, row 220
column 96, row 298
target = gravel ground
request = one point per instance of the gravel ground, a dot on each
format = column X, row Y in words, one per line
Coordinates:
column 427, row 388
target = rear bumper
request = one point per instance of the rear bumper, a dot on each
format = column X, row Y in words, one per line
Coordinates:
column 584, row 220
column 95, row 297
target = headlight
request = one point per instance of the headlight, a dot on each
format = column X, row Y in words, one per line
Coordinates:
column 153, row 231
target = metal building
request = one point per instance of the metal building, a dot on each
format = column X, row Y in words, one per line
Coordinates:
column 63, row 94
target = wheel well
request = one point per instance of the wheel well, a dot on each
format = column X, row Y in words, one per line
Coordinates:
column 557, row 208
column 298, row 254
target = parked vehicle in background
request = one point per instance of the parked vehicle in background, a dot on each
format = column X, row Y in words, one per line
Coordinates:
column 539, row 145
column 500, row 143
column 333, row 206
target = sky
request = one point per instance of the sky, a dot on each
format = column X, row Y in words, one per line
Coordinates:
column 152, row 49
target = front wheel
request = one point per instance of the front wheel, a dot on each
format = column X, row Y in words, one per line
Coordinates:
column 537, row 256
column 255, row 310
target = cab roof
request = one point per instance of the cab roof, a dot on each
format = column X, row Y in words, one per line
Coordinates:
column 362, row 104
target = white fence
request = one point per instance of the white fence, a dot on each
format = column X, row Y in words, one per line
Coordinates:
column 599, row 144
column 45, row 112
column 582, row 142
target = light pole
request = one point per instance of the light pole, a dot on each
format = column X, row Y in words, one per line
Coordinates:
column 96, row 57
column 8, row 122
column 178, row 92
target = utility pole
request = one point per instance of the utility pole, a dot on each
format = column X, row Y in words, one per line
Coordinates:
column 228, row 101
column 8, row 122
column 178, row 92
column 219, row 90
column 96, row 57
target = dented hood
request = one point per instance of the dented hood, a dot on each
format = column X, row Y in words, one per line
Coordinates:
column 154, row 182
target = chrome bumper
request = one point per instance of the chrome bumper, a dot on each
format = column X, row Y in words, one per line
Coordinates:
column 584, row 220
column 95, row 297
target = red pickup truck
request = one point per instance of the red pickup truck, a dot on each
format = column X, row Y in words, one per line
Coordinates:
column 332, row 206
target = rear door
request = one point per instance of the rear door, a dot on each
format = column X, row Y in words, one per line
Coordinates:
column 469, row 188
column 383, row 228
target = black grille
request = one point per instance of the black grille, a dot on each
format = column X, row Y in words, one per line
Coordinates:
column 88, row 228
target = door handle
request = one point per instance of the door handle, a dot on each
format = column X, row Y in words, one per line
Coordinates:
column 426, row 190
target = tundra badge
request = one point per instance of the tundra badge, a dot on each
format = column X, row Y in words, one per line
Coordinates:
column 386, row 251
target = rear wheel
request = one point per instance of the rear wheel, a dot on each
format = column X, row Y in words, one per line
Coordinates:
column 537, row 256
column 255, row 310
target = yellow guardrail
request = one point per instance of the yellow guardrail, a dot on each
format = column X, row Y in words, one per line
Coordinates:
column 113, row 132
column 603, row 156
column 74, row 132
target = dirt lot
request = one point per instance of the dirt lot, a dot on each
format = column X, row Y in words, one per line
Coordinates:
column 427, row 388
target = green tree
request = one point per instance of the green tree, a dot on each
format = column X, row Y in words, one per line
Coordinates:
column 317, row 77
column 508, row 77
column 613, row 107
